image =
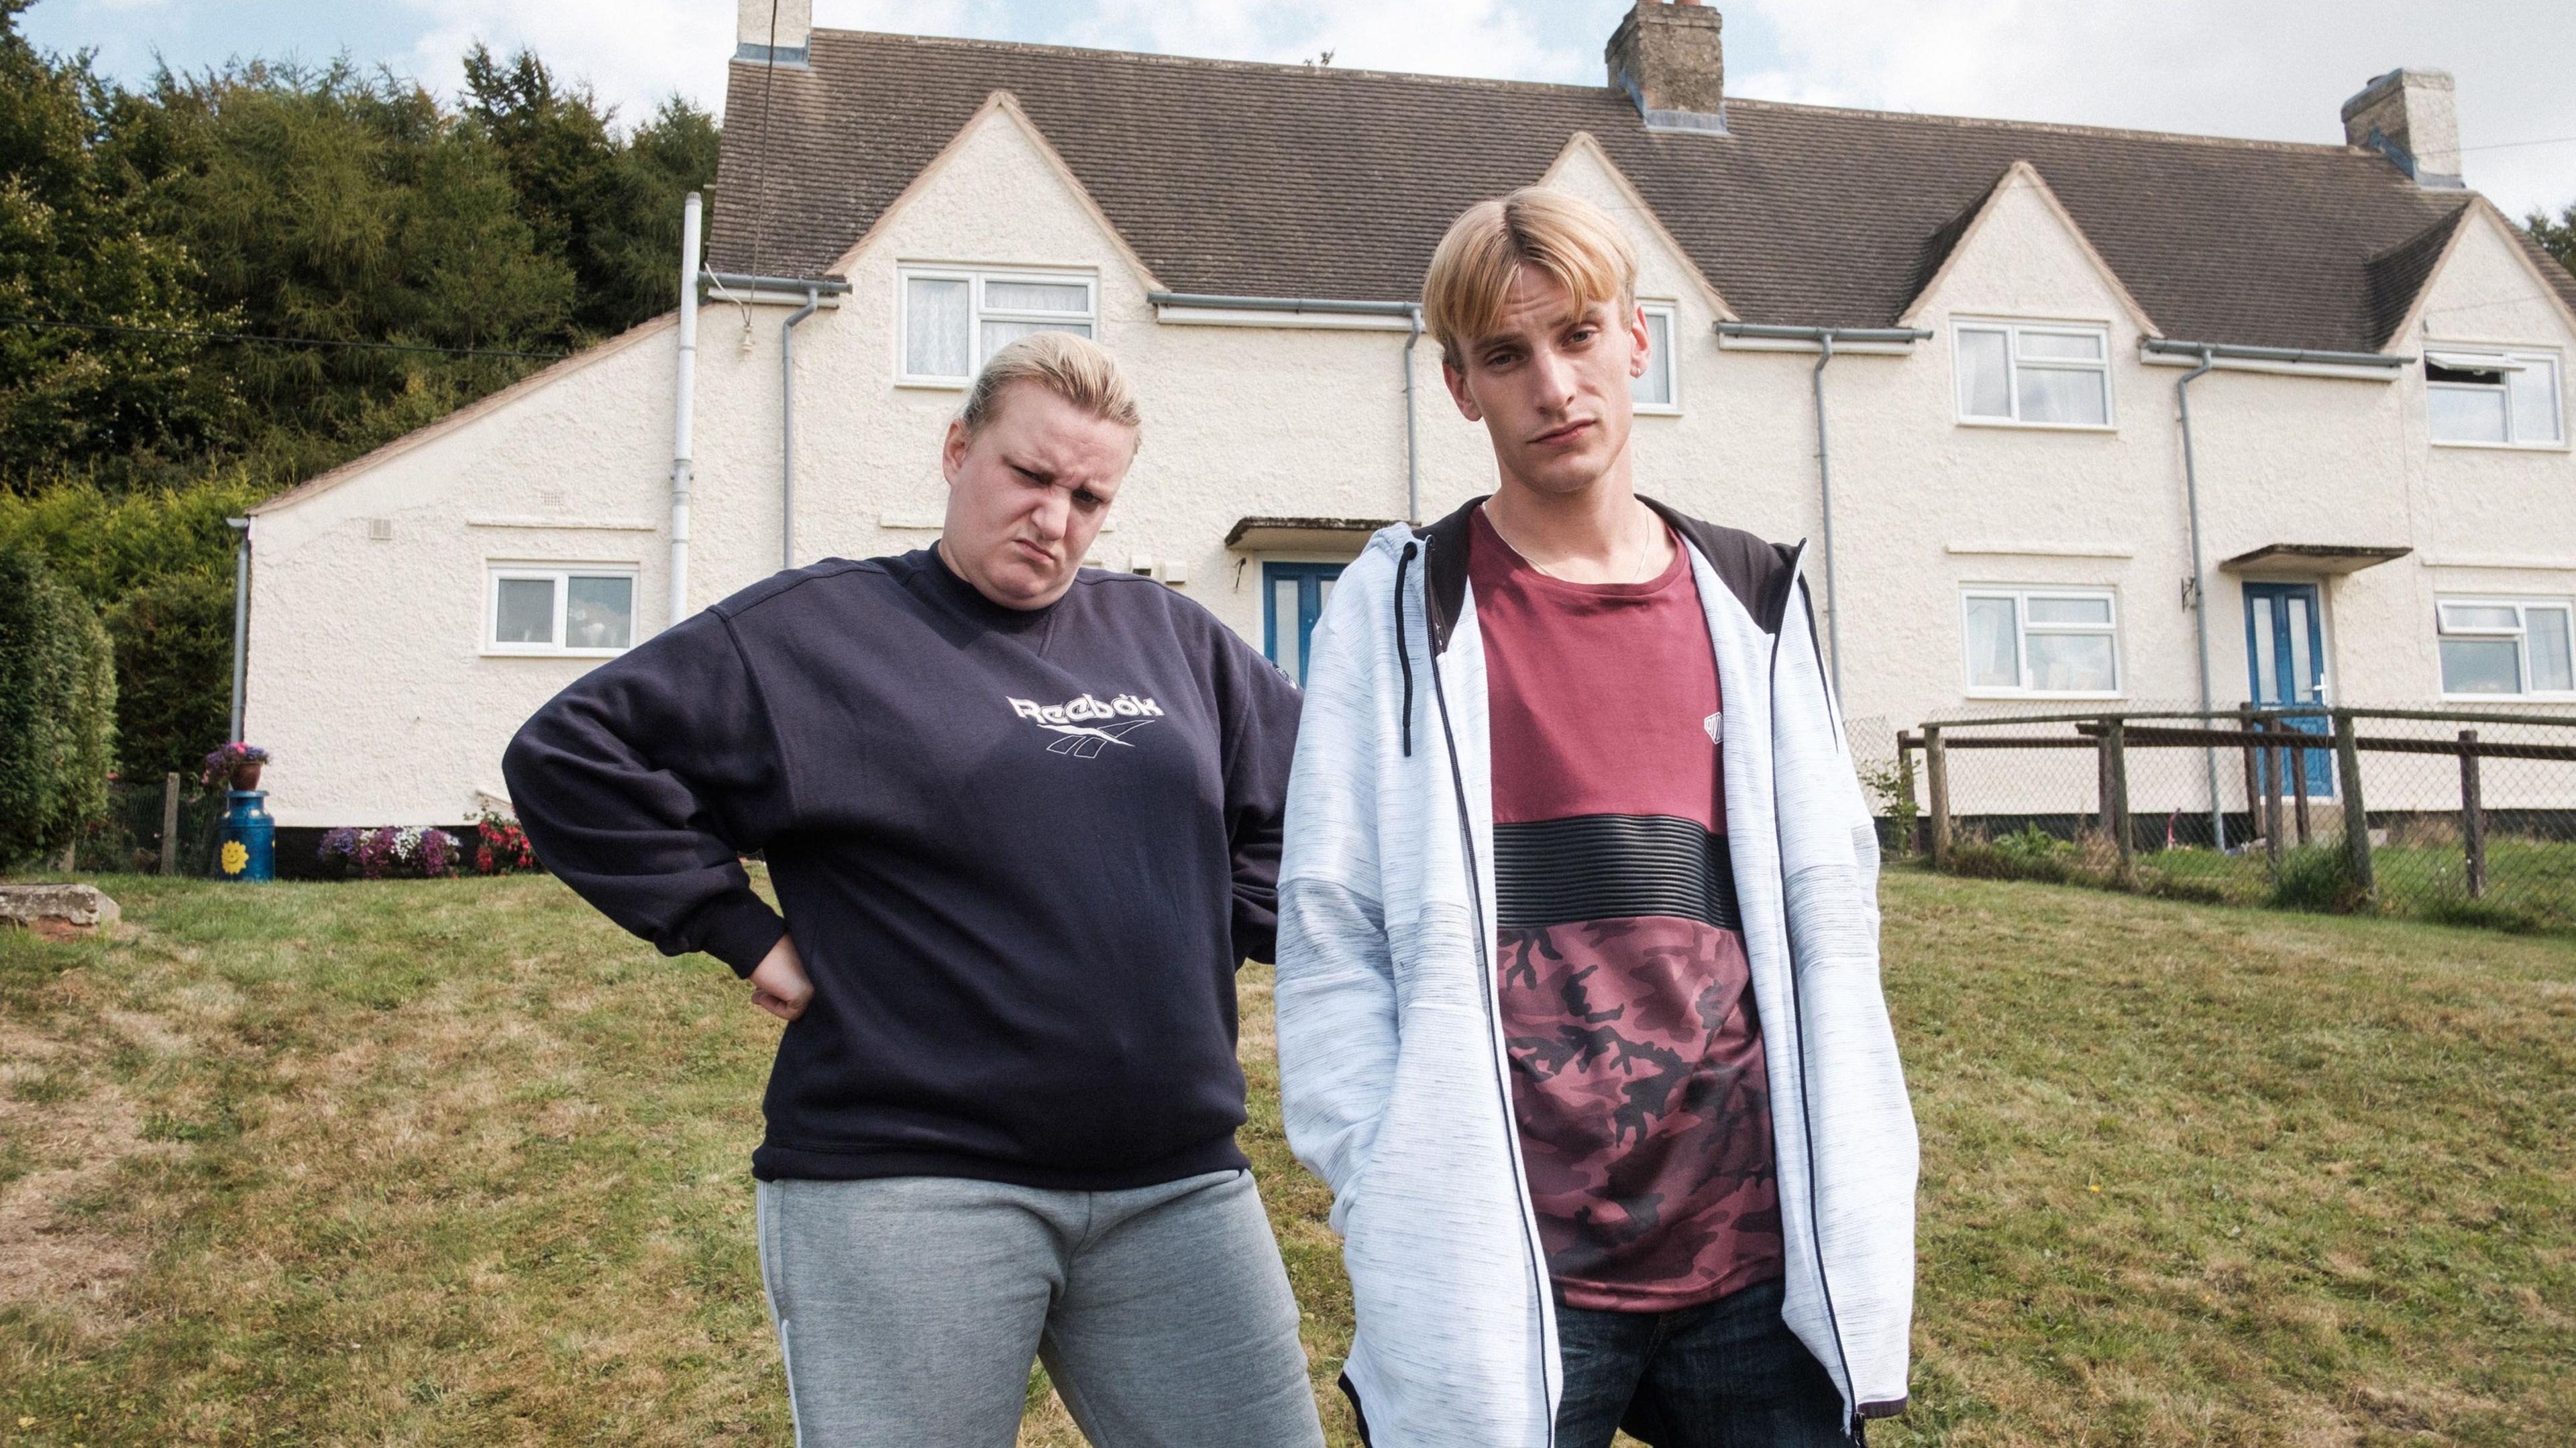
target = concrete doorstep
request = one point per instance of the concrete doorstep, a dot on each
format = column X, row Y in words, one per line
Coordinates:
column 57, row 912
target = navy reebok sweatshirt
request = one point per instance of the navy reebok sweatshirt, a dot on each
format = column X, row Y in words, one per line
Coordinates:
column 1021, row 853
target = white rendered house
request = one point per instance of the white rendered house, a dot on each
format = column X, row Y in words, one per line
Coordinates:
column 1993, row 317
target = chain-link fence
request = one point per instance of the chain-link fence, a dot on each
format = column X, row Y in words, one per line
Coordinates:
column 128, row 836
column 2459, row 815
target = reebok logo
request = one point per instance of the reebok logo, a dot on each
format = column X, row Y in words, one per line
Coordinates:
column 1089, row 725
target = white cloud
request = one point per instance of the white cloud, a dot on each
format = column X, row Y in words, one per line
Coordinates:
column 1442, row 37
column 2276, row 71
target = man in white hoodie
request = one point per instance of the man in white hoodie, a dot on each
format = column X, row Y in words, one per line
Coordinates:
column 1579, row 1010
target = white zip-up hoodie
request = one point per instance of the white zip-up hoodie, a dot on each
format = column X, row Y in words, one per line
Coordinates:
column 1393, row 1076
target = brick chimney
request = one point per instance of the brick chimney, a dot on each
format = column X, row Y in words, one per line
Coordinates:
column 756, row 22
column 1668, row 59
column 2409, row 116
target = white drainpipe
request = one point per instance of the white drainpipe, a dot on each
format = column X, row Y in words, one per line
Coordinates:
column 787, row 425
column 1825, row 338
column 684, row 409
column 2208, row 355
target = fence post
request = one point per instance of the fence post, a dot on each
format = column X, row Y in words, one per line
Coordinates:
column 2273, row 756
column 2253, row 776
column 1905, row 786
column 2473, row 815
column 2356, row 816
column 2115, row 744
column 1936, row 770
column 2102, row 781
column 170, row 823
column 2299, row 773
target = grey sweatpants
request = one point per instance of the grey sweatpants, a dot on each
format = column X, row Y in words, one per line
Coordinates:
column 909, row 1308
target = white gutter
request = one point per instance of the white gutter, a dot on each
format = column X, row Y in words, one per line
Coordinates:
column 2283, row 361
column 1824, row 339
column 1215, row 310
column 684, row 408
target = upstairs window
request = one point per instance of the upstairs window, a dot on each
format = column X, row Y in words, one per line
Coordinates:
column 2507, row 647
column 560, row 609
column 954, row 319
column 2023, row 641
column 2495, row 399
column 1659, row 389
column 2035, row 375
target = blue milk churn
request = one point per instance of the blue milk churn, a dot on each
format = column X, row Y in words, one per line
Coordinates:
column 249, row 850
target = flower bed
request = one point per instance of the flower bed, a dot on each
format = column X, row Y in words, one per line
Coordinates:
column 391, row 852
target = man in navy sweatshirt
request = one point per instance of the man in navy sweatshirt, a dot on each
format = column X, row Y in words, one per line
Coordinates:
column 1024, row 823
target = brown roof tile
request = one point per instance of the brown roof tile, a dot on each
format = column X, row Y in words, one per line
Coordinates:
column 1278, row 180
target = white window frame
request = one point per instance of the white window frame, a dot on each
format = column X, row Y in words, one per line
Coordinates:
column 2506, row 359
column 2013, row 330
column 1669, row 359
column 2021, row 594
column 561, row 575
column 2520, row 633
column 977, row 279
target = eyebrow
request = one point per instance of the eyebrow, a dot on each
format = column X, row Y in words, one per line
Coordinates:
column 1581, row 316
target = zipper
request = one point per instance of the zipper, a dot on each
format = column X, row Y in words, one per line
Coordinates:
column 1485, row 979
column 1798, row 1023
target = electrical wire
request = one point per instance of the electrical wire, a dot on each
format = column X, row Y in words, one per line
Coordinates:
column 50, row 324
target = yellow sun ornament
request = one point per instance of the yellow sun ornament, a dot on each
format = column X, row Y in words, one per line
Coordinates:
column 236, row 857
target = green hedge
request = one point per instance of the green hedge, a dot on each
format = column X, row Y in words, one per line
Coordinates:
column 159, row 568
column 57, row 709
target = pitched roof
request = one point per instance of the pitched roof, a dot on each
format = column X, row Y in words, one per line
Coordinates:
column 2397, row 274
column 1277, row 180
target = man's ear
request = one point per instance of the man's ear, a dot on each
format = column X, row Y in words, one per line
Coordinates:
column 1458, row 393
column 952, row 452
column 1641, row 341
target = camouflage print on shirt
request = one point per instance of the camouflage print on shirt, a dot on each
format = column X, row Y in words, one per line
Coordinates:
column 1637, row 1076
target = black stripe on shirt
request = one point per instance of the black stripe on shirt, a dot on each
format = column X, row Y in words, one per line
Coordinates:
column 1606, row 867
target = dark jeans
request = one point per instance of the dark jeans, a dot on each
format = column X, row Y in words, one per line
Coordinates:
column 1725, row 1374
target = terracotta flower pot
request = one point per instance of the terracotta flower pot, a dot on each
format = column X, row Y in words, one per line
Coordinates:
column 246, row 774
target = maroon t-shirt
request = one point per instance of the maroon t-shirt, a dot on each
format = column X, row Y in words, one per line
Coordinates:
column 1636, row 1055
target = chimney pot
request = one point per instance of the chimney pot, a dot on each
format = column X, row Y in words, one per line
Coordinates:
column 1670, row 61
column 767, row 30
column 2411, row 117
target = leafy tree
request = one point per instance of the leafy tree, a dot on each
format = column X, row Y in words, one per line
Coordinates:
column 610, row 208
column 325, row 204
column 316, row 202
column 75, row 245
column 2558, row 237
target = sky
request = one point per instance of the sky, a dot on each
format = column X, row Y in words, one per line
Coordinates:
column 2267, row 69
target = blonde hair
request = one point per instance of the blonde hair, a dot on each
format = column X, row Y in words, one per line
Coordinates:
column 1564, row 236
column 1076, row 369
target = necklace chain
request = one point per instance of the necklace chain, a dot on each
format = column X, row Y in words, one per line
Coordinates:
column 1636, row 569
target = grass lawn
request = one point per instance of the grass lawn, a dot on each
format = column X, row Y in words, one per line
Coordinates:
column 458, row 1163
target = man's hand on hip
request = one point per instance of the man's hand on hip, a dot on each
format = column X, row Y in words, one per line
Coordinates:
column 779, row 985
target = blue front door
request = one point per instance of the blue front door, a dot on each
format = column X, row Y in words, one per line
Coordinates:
column 2286, row 661
column 1293, row 597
